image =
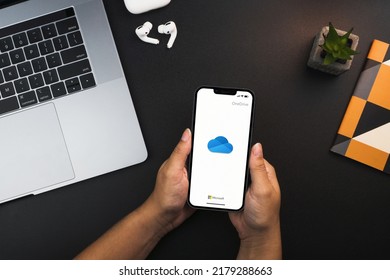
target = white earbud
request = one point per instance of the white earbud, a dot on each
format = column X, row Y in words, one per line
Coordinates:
column 143, row 32
column 169, row 28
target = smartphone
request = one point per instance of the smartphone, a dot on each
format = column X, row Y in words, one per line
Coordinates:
column 218, row 168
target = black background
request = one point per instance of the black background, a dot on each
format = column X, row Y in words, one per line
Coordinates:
column 332, row 207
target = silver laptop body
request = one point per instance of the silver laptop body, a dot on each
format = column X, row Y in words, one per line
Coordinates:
column 66, row 113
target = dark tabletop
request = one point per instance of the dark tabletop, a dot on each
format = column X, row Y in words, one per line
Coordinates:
column 332, row 207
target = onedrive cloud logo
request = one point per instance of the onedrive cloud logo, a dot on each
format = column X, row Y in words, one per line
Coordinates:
column 220, row 145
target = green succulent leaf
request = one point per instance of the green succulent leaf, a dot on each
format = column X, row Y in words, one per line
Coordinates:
column 332, row 37
column 346, row 35
column 329, row 59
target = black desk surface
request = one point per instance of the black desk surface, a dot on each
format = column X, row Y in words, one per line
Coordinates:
column 332, row 207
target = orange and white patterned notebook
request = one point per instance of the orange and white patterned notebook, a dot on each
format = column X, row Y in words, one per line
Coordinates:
column 364, row 134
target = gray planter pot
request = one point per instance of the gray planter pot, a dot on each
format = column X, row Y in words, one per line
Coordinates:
column 315, row 59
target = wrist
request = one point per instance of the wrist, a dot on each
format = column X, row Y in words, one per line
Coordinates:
column 154, row 216
column 266, row 244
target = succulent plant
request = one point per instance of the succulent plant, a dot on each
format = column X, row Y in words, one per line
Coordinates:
column 336, row 46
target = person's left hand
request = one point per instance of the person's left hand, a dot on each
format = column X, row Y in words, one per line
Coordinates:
column 169, row 197
column 135, row 236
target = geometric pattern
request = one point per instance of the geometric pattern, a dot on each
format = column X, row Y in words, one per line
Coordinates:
column 364, row 133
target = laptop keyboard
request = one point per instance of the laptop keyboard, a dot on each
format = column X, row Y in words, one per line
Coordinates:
column 41, row 59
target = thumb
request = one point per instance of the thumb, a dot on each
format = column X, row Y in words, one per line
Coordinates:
column 257, row 166
column 182, row 150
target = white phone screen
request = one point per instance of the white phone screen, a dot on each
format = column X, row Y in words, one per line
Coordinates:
column 222, row 128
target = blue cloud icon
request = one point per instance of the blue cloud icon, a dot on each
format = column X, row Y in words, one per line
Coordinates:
column 220, row 145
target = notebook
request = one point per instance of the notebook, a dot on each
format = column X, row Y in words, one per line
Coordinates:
column 364, row 134
column 66, row 113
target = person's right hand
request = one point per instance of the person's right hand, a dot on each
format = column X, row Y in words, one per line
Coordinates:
column 258, row 225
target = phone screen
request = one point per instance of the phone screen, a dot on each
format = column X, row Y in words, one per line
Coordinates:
column 221, row 138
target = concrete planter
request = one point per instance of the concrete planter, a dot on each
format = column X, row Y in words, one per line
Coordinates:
column 315, row 59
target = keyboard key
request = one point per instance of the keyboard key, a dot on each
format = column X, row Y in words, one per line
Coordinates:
column 73, row 54
column 4, row 60
column 50, row 76
column 27, row 99
column 6, row 44
column 58, row 89
column 36, row 81
column 35, row 35
column 1, row 78
column 49, row 31
column 25, row 69
column 53, row 60
column 74, row 69
column 60, row 43
column 20, row 40
column 17, row 56
column 8, row 105
column 44, row 94
column 7, row 90
column 75, row 38
column 21, row 85
column 73, row 85
column 39, row 64
column 46, row 47
column 87, row 80
column 10, row 73
column 31, row 51
column 67, row 25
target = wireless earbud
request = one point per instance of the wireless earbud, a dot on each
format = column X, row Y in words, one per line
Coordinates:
column 169, row 28
column 143, row 32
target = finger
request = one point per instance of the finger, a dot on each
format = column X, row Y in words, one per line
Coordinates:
column 182, row 150
column 272, row 175
column 257, row 166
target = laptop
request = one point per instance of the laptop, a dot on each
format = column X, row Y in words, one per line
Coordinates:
column 66, row 113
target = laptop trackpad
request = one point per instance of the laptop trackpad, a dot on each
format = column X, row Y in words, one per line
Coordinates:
column 33, row 153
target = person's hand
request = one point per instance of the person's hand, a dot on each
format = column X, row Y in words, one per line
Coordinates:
column 138, row 233
column 258, row 224
column 171, row 190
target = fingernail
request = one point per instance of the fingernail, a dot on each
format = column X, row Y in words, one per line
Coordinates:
column 257, row 150
column 186, row 135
